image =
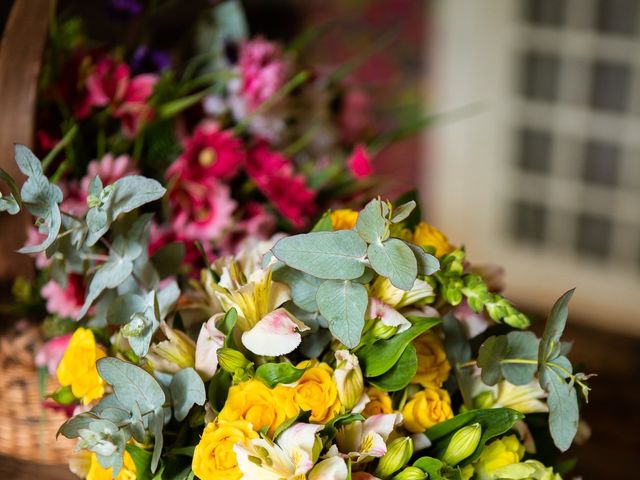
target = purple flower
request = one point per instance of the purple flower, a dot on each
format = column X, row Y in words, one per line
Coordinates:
column 148, row 60
column 125, row 8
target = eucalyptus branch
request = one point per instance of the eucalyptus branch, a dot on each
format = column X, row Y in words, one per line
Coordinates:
column 66, row 140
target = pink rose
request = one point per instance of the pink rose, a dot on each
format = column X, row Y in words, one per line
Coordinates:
column 263, row 71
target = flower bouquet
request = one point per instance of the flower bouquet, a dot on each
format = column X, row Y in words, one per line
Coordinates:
column 367, row 348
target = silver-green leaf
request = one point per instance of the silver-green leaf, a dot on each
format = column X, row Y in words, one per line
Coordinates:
column 186, row 390
column 395, row 260
column 372, row 225
column 343, row 304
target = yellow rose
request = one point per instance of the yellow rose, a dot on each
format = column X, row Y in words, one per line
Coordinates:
column 497, row 455
column 317, row 392
column 214, row 458
column 433, row 366
column 427, row 408
column 379, row 402
column 97, row 472
column 344, row 219
column 259, row 405
column 426, row 235
column 78, row 367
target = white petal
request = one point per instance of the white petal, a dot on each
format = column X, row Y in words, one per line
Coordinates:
column 297, row 441
column 276, row 334
column 332, row 468
column 382, row 424
column 248, row 468
column 209, row 341
column 388, row 315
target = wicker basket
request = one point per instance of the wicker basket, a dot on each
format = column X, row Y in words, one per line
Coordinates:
column 27, row 428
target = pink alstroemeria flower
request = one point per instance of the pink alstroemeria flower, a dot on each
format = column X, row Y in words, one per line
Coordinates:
column 359, row 162
column 209, row 341
column 275, row 334
column 50, row 354
column 64, row 302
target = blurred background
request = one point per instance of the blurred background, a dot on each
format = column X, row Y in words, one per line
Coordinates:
column 532, row 157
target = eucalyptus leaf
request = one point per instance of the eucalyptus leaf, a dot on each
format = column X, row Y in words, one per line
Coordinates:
column 371, row 224
column 27, row 162
column 563, row 404
column 343, row 304
column 324, row 224
column 328, row 255
column 9, row 204
column 381, row 355
column 400, row 374
column 490, row 356
column 109, row 275
column 427, row 263
column 304, row 287
column 13, row 186
column 403, row 211
column 71, row 428
column 522, row 346
column 187, row 390
column 550, row 345
column 396, row 261
column 271, row 374
column 156, row 425
column 131, row 384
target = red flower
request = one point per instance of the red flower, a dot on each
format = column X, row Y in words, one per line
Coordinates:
column 359, row 162
column 274, row 175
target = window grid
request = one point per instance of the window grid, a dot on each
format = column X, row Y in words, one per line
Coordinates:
column 575, row 142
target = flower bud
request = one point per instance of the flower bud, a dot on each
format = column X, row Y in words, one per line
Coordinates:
column 382, row 331
column 463, row 443
column 411, row 473
column 232, row 360
column 136, row 325
column 483, row 400
column 399, row 452
column 348, row 378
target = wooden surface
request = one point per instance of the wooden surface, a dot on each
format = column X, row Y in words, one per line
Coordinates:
column 612, row 413
column 21, row 49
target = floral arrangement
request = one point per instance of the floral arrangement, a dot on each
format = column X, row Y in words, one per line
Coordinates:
column 247, row 139
column 367, row 348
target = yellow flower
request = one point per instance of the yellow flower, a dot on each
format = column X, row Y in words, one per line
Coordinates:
column 497, row 455
column 317, row 392
column 259, row 405
column 427, row 235
column 427, row 408
column 97, row 472
column 433, row 366
column 214, row 458
column 78, row 367
column 344, row 219
column 379, row 402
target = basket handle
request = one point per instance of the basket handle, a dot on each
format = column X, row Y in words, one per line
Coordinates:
column 21, row 50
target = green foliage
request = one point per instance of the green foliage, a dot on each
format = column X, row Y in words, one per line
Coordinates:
column 395, row 260
column 512, row 356
column 494, row 422
column 271, row 374
column 219, row 389
column 343, row 304
column 304, row 287
column 400, row 374
column 139, row 318
column 380, row 356
column 372, row 225
column 327, row 255
column 186, row 390
column 427, row 263
column 9, row 204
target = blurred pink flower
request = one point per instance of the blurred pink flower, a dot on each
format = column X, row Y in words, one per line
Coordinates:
column 111, row 84
column 263, row 70
column 64, row 302
column 34, row 237
column 355, row 114
column 202, row 211
column 359, row 162
column 50, row 354
column 109, row 169
column 209, row 153
column 274, row 175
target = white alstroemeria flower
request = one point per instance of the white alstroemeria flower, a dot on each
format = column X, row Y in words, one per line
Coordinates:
column 209, row 341
column 383, row 290
column 348, row 378
column 290, row 457
column 388, row 315
column 332, row 468
column 522, row 398
column 363, row 441
column 278, row 333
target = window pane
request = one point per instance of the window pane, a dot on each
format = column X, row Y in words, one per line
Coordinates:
column 535, row 150
column 617, row 16
column 545, row 12
column 529, row 222
column 601, row 162
column 540, row 76
column 610, row 86
column 594, row 235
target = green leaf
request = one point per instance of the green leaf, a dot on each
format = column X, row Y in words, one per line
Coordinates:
column 563, row 406
column 186, row 390
column 13, row 186
column 302, row 417
column 219, row 389
column 304, row 287
column 131, row 384
column 130, row 308
column 343, row 304
column 458, row 352
column 402, row 211
column 271, row 374
column 330, row 428
column 41, row 199
column 522, row 345
column 490, row 356
column 109, row 275
column 63, row 396
column 324, row 224
column 142, row 460
column 550, row 344
column 380, row 356
column 27, row 162
column 400, row 374
column 167, row 260
column 372, row 224
column 328, row 255
column 71, row 428
column 562, row 401
column 396, row 261
column 415, row 216
column 494, row 422
column 156, row 424
column 431, row 466
column 427, row 263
